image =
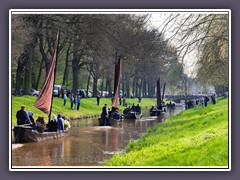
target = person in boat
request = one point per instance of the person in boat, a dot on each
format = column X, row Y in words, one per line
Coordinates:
column 60, row 122
column 133, row 108
column 138, row 109
column 126, row 110
column 151, row 109
column 30, row 115
column 105, row 114
column 22, row 116
column 159, row 107
column 116, row 115
column 52, row 124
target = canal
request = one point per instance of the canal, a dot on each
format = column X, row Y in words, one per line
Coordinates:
column 87, row 144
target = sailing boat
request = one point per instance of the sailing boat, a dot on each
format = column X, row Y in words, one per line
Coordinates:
column 159, row 110
column 115, row 115
column 25, row 133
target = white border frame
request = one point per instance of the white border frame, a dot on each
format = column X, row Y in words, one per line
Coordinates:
column 117, row 168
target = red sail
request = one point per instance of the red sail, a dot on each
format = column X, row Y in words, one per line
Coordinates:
column 117, row 76
column 44, row 99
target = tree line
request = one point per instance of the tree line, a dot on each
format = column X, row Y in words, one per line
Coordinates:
column 90, row 43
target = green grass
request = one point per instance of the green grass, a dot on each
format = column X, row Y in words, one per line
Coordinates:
column 195, row 137
column 88, row 106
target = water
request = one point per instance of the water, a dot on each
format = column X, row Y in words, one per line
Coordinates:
column 87, row 144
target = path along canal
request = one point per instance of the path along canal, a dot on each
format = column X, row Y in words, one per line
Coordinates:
column 87, row 144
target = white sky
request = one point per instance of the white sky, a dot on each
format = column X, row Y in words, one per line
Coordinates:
column 157, row 20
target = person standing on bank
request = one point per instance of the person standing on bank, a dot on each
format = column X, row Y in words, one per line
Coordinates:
column 22, row 116
column 78, row 101
column 105, row 114
column 98, row 99
column 64, row 99
column 206, row 99
column 71, row 101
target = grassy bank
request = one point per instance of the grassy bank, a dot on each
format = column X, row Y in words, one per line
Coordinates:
column 196, row 137
column 88, row 106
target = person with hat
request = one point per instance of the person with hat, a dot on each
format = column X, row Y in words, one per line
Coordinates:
column 30, row 115
column 22, row 116
column 105, row 114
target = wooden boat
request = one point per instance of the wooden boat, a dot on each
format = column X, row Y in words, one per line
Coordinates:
column 25, row 134
column 156, row 112
column 132, row 115
column 111, row 121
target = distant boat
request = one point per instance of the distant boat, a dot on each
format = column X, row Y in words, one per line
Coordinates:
column 159, row 110
column 132, row 115
column 117, row 75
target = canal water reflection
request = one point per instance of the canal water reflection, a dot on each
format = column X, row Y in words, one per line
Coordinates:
column 87, row 143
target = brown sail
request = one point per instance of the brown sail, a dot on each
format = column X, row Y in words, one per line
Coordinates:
column 44, row 100
column 117, row 77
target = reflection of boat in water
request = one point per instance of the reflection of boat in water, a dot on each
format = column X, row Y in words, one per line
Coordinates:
column 25, row 134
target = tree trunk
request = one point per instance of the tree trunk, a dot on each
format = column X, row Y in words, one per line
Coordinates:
column 39, row 75
column 95, row 82
column 109, row 86
column 66, row 71
column 19, row 73
column 75, row 69
column 133, row 86
column 128, row 88
column 88, row 82
column 28, row 73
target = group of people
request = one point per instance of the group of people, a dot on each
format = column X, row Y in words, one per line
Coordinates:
column 160, row 107
column 75, row 102
column 134, row 108
column 107, row 114
column 58, row 123
column 204, row 101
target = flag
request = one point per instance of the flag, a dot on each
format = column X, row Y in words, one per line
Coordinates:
column 117, row 76
column 44, row 100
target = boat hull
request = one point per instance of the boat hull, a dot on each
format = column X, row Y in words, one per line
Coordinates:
column 132, row 115
column 156, row 113
column 25, row 134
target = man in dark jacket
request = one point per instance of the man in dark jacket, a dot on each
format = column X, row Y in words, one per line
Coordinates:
column 105, row 114
column 22, row 116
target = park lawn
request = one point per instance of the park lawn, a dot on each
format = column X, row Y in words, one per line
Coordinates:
column 88, row 107
column 195, row 137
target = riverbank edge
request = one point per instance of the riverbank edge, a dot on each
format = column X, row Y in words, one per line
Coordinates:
column 113, row 161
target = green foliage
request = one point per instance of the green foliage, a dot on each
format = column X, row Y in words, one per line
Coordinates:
column 196, row 137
